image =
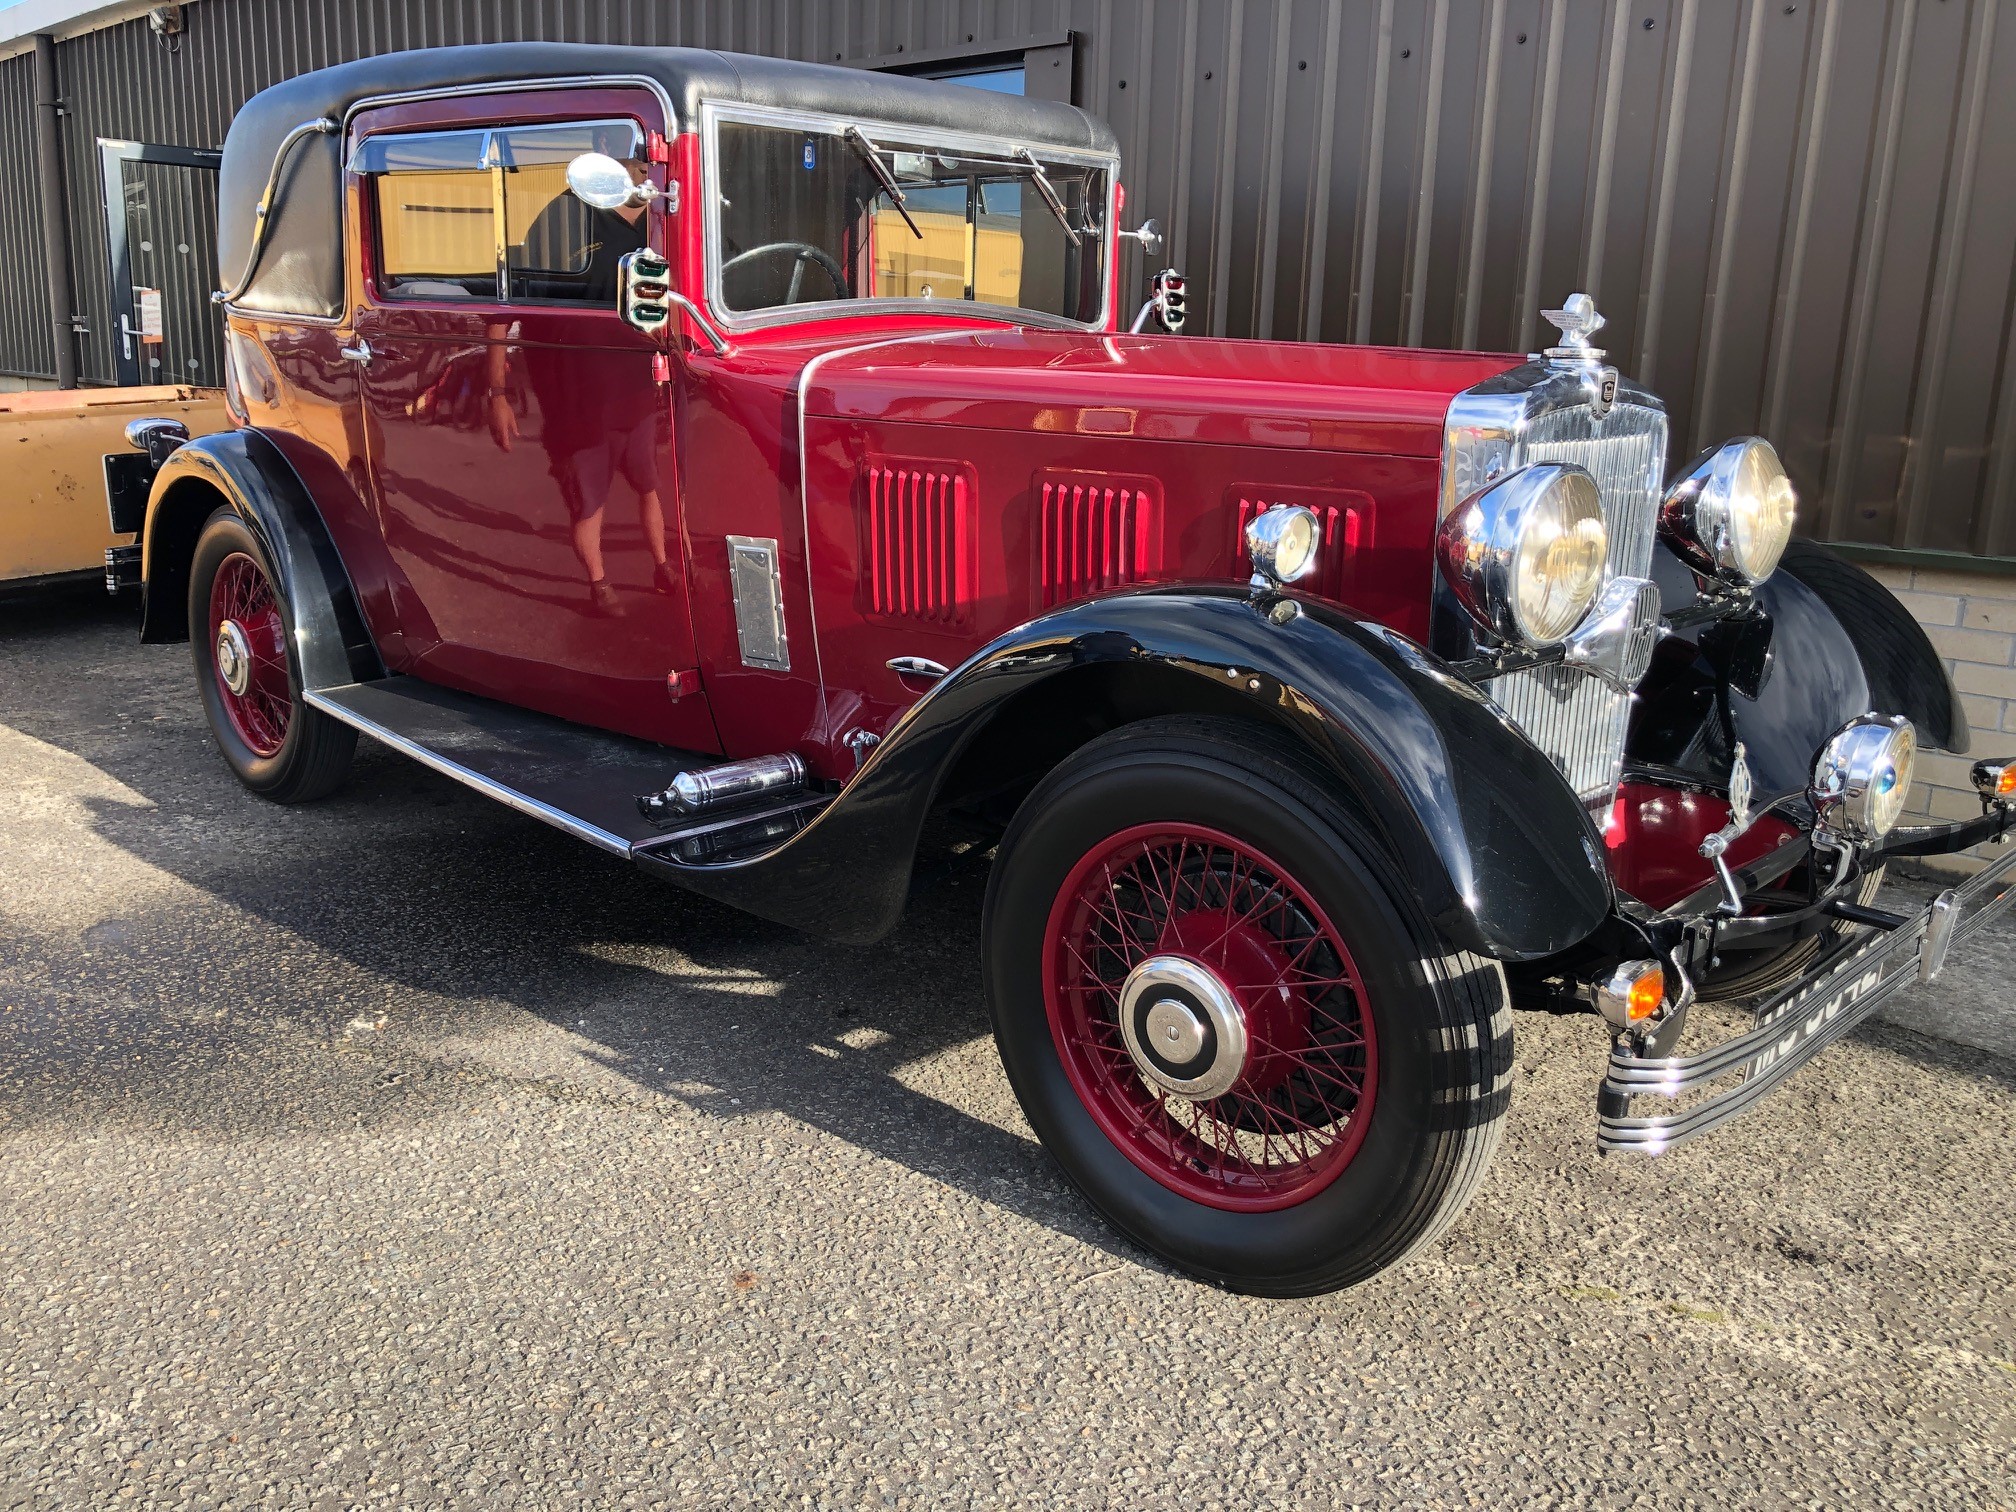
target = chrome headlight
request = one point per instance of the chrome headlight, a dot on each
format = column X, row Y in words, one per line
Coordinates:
column 1862, row 776
column 1525, row 555
column 1283, row 542
column 1729, row 515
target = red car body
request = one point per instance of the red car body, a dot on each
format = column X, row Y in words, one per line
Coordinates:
column 871, row 557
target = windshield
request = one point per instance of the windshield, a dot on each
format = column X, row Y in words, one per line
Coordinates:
column 812, row 216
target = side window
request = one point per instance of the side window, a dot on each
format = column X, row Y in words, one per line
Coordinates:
column 485, row 213
column 437, row 217
column 556, row 247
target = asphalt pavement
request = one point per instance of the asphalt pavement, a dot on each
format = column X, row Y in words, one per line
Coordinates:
column 397, row 1150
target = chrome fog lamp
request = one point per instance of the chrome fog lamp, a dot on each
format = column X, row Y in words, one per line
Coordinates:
column 1862, row 777
column 1525, row 555
column 1729, row 515
column 1283, row 542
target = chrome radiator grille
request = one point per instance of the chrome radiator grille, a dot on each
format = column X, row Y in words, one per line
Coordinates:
column 1625, row 452
column 1574, row 716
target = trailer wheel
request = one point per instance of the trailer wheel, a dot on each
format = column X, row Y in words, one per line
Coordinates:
column 1227, row 1018
column 250, row 677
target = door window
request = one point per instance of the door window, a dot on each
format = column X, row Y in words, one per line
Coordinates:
column 485, row 213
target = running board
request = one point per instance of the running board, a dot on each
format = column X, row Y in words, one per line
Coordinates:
column 576, row 779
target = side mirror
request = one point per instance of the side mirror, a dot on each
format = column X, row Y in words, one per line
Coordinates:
column 1166, row 303
column 599, row 180
column 1149, row 235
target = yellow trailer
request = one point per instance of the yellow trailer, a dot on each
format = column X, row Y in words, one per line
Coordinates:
column 54, row 525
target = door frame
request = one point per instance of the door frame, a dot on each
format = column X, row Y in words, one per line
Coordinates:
column 113, row 152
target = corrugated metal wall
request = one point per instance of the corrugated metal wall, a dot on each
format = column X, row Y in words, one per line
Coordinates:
column 26, row 344
column 1794, row 212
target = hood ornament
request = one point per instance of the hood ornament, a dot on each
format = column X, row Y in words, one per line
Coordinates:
column 1577, row 320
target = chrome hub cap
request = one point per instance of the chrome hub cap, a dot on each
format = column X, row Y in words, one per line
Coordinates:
column 234, row 657
column 1183, row 1027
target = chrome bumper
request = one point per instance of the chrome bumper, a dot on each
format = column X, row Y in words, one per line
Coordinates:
column 1794, row 1025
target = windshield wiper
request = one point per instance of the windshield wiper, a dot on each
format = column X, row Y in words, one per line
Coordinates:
column 872, row 156
column 1049, row 192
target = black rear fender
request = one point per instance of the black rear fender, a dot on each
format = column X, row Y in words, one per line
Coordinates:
column 1492, row 840
column 243, row 471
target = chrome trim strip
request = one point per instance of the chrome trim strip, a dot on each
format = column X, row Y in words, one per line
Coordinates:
column 489, row 787
column 1792, row 1026
column 714, row 112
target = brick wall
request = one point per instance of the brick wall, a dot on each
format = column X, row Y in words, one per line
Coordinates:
column 1971, row 618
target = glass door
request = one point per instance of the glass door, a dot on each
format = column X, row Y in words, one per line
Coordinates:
column 161, row 244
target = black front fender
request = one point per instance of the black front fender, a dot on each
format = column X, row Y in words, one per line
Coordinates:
column 1827, row 642
column 245, row 471
column 1493, row 841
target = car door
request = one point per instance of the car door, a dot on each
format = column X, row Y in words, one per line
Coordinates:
column 521, row 439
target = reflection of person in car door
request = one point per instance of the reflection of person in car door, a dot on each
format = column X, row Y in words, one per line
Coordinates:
column 599, row 419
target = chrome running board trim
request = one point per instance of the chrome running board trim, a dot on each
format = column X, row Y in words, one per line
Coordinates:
column 489, row 787
column 1791, row 1027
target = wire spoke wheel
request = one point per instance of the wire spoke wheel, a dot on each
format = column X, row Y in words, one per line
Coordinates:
column 248, row 643
column 1210, row 1016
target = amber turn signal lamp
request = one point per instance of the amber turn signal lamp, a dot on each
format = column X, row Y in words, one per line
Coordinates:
column 1632, row 994
column 1995, row 778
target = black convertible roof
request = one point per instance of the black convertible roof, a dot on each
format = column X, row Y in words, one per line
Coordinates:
column 301, row 267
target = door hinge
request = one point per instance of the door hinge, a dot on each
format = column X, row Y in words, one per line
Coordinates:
column 656, row 148
column 683, row 684
column 661, row 368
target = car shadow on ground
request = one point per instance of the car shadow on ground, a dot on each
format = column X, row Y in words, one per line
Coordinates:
column 406, row 888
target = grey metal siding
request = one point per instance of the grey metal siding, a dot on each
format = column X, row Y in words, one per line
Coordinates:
column 1795, row 215
column 26, row 344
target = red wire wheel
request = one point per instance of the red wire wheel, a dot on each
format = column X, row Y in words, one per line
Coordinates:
column 248, row 654
column 1210, row 1017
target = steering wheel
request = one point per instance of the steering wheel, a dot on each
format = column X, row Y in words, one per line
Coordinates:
column 801, row 253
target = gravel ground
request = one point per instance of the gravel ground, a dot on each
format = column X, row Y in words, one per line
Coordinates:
column 399, row 1150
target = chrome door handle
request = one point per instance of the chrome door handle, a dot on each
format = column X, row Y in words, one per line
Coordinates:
column 358, row 353
column 916, row 666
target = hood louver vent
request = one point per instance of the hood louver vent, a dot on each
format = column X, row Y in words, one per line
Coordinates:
column 1097, row 531
column 918, row 542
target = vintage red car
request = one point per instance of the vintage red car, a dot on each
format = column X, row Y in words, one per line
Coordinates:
column 732, row 462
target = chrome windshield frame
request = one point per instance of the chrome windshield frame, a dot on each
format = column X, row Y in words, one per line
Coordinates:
column 713, row 113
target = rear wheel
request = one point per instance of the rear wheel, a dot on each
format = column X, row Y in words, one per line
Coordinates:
column 1227, row 1018
column 249, row 676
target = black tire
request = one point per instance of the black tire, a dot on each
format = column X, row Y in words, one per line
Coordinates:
column 313, row 758
column 1441, row 1017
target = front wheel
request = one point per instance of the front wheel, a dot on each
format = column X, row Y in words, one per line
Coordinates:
column 250, row 677
column 1227, row 1018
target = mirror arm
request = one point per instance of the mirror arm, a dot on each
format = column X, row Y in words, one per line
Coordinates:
column 699, row 317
